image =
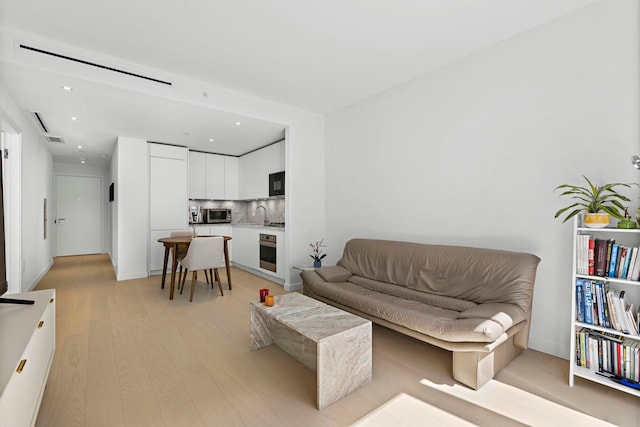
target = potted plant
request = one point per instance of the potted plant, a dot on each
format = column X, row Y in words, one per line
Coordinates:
column 316, row 253
column 598, row 203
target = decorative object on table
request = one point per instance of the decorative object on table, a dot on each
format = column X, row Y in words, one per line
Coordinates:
column 627, row 222
column 263, row 294
column 269, row 301
column 597, row 203
column 316, row 253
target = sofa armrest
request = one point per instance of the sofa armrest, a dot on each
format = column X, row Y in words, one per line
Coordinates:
column 506, row 315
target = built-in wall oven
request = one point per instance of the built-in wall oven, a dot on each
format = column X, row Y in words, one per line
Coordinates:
column 268, row 246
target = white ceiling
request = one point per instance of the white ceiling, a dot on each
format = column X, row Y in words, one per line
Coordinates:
column 319, row 56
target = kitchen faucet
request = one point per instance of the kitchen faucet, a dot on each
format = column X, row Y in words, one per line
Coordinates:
column 265, row 213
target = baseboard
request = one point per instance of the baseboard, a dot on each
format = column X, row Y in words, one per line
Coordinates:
column 548, row 348
column 292, row 287
column 260, row 274
column 131, row 276
column 39, row 277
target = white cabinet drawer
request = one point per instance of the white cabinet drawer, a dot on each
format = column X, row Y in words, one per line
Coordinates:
column 21, row 397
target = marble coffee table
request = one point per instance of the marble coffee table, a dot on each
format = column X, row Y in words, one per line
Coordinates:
column 329, row 341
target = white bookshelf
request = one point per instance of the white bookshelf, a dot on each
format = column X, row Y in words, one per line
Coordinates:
column 629, row 238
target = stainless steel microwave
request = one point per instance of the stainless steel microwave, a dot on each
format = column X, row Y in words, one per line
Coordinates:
column 215, row 216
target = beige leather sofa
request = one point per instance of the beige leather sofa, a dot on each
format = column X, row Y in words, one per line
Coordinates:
column 474, row 302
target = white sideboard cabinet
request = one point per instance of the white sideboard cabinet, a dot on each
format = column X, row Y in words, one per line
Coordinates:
column 27, row 343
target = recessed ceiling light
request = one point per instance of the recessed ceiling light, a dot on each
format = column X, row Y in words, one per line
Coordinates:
column 83, row 162
column 74, row 118
column 237, row 123
column 79, row 147
column 210, row 139
column 67, row 88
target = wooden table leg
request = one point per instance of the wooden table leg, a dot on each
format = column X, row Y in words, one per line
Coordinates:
column 164, row 265
column 173, row 269
column 226, row 262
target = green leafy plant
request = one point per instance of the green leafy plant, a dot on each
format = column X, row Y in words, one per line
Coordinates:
column 593, row 199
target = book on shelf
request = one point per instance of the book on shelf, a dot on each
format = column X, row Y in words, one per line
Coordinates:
column 580, row 300
column 622, row 255
column 600, row 352
column 605, row 258
column 588, row 302
column 625, row 264
column 613, row 260
column 635, row 274
column 600, row 254
column 632, row 263
column 598, row 305
column 602, row 320
column 607, row 263
column 582, row 253
column 590, row 256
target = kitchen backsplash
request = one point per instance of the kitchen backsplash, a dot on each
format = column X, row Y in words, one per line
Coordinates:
column 245, row 211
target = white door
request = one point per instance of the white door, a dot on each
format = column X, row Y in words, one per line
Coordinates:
column 78, row 215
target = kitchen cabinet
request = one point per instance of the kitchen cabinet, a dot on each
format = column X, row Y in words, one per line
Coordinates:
column 197, row 171
column 168, row 198
column 246, row 250
column 214, row 177
column 168, row 202
column 231, row 177
column 27, row 340
column 254, row 170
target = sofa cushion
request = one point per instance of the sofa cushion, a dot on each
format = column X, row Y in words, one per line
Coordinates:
column 423, row 297
column 334, row 273
column 505, row 314
column 472, row 274
column 430, row 320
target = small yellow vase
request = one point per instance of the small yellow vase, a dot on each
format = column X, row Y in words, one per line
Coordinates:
column 596, row 220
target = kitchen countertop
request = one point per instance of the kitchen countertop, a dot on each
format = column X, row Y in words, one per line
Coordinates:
column 254, row 224
column 243, row 224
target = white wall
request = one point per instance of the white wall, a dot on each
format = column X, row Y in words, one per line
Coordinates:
column 36, row 170
column 132, row 206
column 77, row 169
column 470, row 154
column 112, row 243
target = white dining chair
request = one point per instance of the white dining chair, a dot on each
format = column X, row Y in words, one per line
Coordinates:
column 204, row 253
column 180, row 251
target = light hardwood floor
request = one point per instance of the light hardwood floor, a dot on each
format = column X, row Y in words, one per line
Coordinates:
column 127, row 356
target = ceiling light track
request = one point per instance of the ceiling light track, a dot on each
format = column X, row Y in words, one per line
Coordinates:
column 93, row 64
column 42, row 125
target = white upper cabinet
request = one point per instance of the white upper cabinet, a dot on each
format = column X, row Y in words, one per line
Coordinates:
column 251, row 185
column 212, row 176
column 218, row 177
column 231, row 172
column 255, row 169
column 197, row 173
column 215, row 177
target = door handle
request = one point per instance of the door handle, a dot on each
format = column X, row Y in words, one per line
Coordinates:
column 59, row 219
